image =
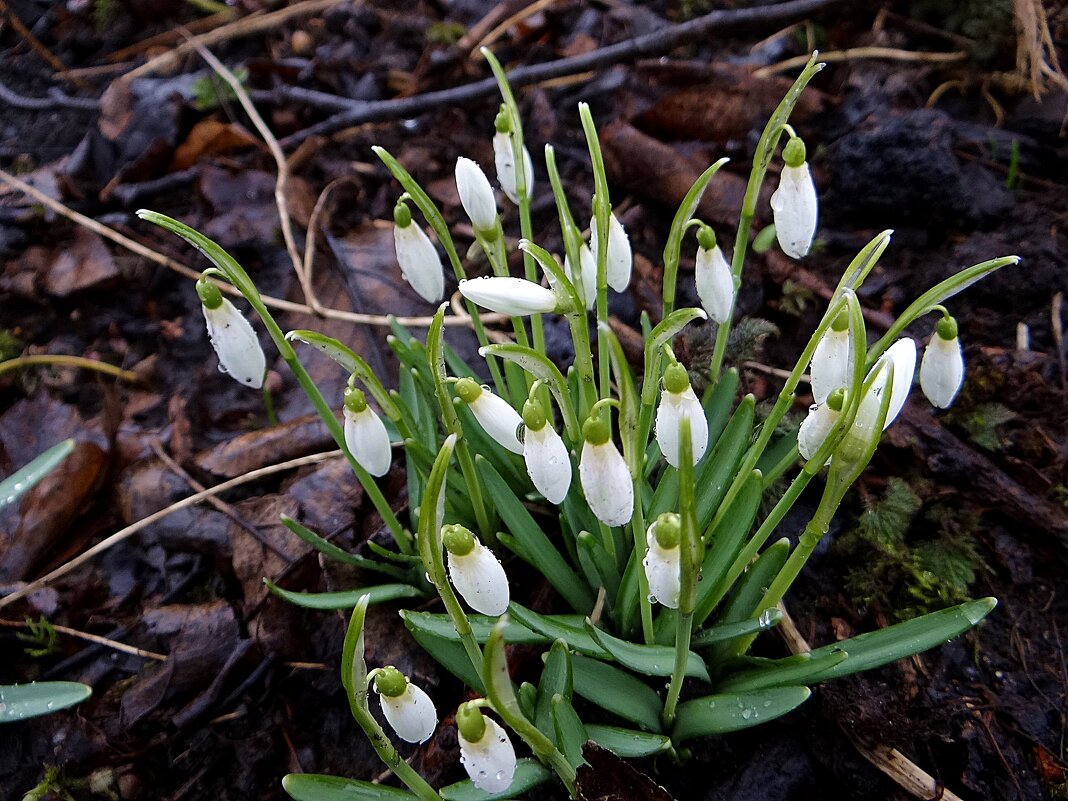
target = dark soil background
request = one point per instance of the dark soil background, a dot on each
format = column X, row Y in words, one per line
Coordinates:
column 961, row 158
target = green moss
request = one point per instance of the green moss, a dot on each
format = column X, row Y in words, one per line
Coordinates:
column 446, row 33
column 10, row 345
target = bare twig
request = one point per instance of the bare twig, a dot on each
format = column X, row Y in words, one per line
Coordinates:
column 55, row 99
column 35, row 43
column 94, row 638
column 134, row 528
column 171, row 37
column 490, row 38
column 860, row 53
column 62, row 360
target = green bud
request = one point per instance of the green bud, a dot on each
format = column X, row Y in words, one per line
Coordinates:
column 794, row 152
column 402, row 215
column 210, row 296
column 534, row 415
column 667, row 529
column 390, row 682
column 595, row 431
column 676, row 379
column 470, row 723
column 355, row 400
column 836, row 400
column 458, row 540
column 841, row 322
column 468, row 389
column 503, row 121
column 947, row 328
column 706, row 237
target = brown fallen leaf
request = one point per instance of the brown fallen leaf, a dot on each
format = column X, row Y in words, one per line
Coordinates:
column 210, row 137
column 265, row 446
column 83, row 263
column 606, row 777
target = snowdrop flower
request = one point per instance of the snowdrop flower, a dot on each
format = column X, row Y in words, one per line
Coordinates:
column 589, row 274
column 504, row 159
column 235, row 343
column 620, row 259
column 365, row 434
column 817, row 426
column 604, row 475
column 903, row 355
column 677, row 401
column 476, row 196
column 485, row 750
column 545, row 454
column 713, row 276
column 864, row 433
column 408, row 709
column 515, row 296
column 496, row 417
column 419, row 261
column 794, row 203
column 942, row 368
column 475, row 572
column 832, row 360
column 662, row 559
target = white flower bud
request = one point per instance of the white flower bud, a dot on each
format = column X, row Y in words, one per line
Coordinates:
column 620, row 259
column 715, row 283
column 504, row 159
column 235, row 343
column 545, row 455
column 476, row 195
column 662, row 563
column 475, row 572
column 493, row 413
column 942, row 368
column 677, row 401
column 365, row 435
column 605, row 477
column 903, row 354
column 419, row 261
column 515, row 296
column 589, row 275
column 490, row 761
column 817, row 426
column 831, row 363
column 411, row 714
column 795, row 209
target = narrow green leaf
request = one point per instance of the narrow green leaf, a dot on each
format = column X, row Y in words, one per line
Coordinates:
column 651, row 660
column 21, row 701
column 725, row 541
column 314, row 787
column 345, row 599
column 27, row 476
column 719, row 714
column 570, row 732
column 617, row 691
column 332, row 551
column 449, row 653
column 351, row 362
column 715, row 473
column 729, row 631
column 793, row 670
column 568, row 628
column 528, row 774
column 604, row 563
column 353, row 665
column 628, row 743
column 556, row 679
column 719, row 401
column 481, row 627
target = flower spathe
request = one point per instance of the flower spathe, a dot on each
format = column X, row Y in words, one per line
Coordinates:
column 662, row 562
column 493, row 413
column 832, row 360
column 588, row 275
column 545, row 455
column 475, row 572
column 794, row 204
column 365, row 435
column 504, row 160
column 507, row 295
column 677, row 401
column 620, row 260
column 418, row 258
column 942, row 367
column 409, row 712
column 605, row 477
column 490, row 760
column 715, row 282
column 232, row 337
column 476, row 195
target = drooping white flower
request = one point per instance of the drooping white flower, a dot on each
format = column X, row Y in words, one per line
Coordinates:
column 903, row 354
column 817, row 426
column 475, row 572
column 832, row 360
column 407, row 708
column 235, row 343
column 942, row 368
column 545, row 454
column 493, row 413
column 419, row 261
column 504, row 159
column 476, row 195
column 604, row 476
column 712, row 274
column 677, row 401
column 662, row 562
column 588, row 276
column 620, row 259
column 366, row 435
column 794, row 203
column 486, row 752
column 507, row 295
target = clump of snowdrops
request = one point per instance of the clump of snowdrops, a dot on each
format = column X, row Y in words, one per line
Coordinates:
column 636, row 499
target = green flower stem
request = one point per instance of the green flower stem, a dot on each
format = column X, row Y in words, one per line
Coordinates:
column 390, row 756
column 602, row 209
column 268, row 404
column 769, row 140
column 518, row 381
column 637, row 527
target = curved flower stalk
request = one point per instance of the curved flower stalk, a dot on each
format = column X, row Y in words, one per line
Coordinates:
column 235, row 343
column 832, row 360
column 662, row 559
column 475, row 572
column 712, row 274
column 407, row 708
column 678, row 400
column 513, row 296
column 366, row 435
column 604, row 475
column 476, row 195
column 620, row 258
column 548, row 463
column 493, row 413
column 819, row 423
column 942, row 368
column 419, row 260
column 486, row 752
column 587, row 276
column 794, row 203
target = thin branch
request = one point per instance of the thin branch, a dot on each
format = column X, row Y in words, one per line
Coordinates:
column 62, row 360
column 93, row 638
column 55, row 99
column 860, row 53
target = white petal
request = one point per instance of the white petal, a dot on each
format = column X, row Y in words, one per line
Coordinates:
column 672, row 407
column 235, row 343
column 620, row 259
column 498, row 419
column 715, row 283
column 588, row 277
column 503, row 158
column 419, row 262
column 831, row 364
column 795, row 209
column 476, row 194
column 903, row 354
column 507, row 295
column 411, row 714
column 942, row 370
column 548, row 463
column 606, row 483
column 368, row 440
column 491, row 761
column 663, row 570
column 480, row 579
column 815, row 429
